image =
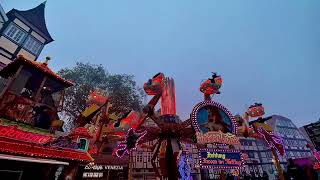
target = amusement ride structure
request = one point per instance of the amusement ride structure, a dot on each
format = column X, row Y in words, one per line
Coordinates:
column 259, row 129
column 170, row 133
column 209, row 123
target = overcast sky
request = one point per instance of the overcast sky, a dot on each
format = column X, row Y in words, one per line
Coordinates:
column 266, row 51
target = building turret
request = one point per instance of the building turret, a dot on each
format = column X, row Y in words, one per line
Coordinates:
column 23, row 33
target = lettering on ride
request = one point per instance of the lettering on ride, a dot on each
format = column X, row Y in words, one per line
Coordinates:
column 231, row 162
column 216, row 155
column 13, row 132
column 217, row 137
column 220, row 158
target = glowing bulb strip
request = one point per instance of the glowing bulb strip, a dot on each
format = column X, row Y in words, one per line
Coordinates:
column 220, row 166
column 216, row 104
column 123, row 145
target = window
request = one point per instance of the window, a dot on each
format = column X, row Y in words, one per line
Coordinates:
column 250, row 154
column 15, row 33
column 33, row 45
column 82, row 144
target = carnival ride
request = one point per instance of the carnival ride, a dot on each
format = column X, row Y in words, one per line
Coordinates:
column 169, row 133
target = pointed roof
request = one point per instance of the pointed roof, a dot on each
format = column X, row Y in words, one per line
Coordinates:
column 3, row 15
column 35, row 17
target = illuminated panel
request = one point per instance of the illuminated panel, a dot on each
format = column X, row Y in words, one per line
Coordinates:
column 12, row 132
column 221, row 159
column 131, row 142
column 215, row 104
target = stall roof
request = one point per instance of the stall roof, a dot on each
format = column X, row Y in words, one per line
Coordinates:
column 33, row 150
column 30, row 159
column 12, row 67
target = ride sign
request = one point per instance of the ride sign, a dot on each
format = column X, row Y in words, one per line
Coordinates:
column 220, row 159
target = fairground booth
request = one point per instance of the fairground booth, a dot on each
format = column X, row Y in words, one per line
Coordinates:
column 33, row 145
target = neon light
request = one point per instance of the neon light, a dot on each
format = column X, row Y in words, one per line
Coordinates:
column 125, row 147
column 185, row 166
column 217, row 137
column 316, row 166
column 272, row 140
column 13, row 132
column 211, row 103
column 168, row 98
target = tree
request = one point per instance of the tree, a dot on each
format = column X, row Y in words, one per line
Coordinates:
column 122, row 89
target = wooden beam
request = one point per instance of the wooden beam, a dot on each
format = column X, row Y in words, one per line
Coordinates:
column 9, row 84
column 37, row 96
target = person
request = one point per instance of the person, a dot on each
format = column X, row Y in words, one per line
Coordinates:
column 309, row 173
column 265, row 175
column 292, row 170
column 223, row 175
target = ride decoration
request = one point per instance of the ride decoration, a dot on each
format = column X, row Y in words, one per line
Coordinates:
column 259, row 129
column 263, row 130
column 214, row 124
column 221, row 159
column 185, row 165
column 211, row 85
column 131, row 142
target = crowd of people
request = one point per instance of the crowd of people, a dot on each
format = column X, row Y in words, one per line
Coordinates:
column 244, row 175
column 294, row 172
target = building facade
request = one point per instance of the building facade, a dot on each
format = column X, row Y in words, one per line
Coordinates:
column 22, row 33
column 260, row 158
column 294, row 141
column 312, row 131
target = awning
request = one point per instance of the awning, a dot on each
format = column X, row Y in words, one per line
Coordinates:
column 30, row 159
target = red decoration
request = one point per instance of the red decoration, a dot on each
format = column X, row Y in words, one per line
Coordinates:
column 81, row 132
column 217, row 137
column 154, row 86
column 256, row 110
column 97, row 98
column 211, row 85
column 41, row 151
column 168, row 98
column 13, row 132
column 131, row 121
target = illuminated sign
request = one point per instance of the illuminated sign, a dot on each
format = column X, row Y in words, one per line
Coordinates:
column 214, row 124
column 220, row 159
column 13, row 132
column 217, row 137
